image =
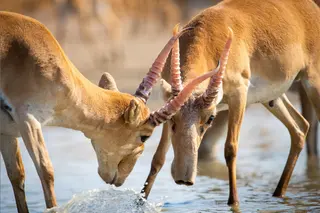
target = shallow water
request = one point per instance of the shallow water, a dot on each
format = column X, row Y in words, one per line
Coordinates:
column 111, row 199
column 264, row 145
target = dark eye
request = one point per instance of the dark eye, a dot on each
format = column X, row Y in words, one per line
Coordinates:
column 210, row 119
column 201, row 129
column 144, row 138
column 173, row 127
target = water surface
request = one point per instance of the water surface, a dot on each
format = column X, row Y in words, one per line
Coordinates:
column 263, row 149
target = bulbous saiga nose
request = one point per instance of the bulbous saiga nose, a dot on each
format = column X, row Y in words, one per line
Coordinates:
column 110, row 178
column 183, row 182
column 183, row 174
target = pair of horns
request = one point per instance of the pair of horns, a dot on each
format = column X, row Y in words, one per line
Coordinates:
column 144, row 90
column 181, row 95
column 215, row 83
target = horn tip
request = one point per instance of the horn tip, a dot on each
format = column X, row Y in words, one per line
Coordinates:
column 230, row 32
column 176, row 29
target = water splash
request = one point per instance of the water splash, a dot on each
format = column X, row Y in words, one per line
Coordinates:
column 108, row 200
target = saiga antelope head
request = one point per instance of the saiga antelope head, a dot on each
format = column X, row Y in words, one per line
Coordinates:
column 189, row 124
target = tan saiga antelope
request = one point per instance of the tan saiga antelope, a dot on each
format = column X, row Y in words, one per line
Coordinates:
column 274, row 44
column 40, row 86
column 219, row 125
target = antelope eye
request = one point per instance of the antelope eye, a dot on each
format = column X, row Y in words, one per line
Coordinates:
column 210, row 119
column 201, row 130
column 144, row 138
column 173, row 127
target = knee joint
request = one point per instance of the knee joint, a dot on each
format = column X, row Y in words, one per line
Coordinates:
column 230, row 151
column 298, row 138
column 156, row 165
column 48, row 174
column 17, row 177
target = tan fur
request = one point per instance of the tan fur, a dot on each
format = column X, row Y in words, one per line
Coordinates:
column 207, row 149
column 41, row 87
column 275, row 43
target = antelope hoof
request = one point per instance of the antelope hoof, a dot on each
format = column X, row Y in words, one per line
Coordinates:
column 278, row 194
column 233, row 202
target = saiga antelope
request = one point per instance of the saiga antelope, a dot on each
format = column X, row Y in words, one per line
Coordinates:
column 207, row 149
column 40, row 86
column 274, row 44
column 208, row 143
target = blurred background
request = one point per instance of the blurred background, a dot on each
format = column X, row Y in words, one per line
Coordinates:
column 118, row 36
column 123, row 37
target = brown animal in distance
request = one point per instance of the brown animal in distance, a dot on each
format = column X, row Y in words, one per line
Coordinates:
column 268, row 35
column 40, row 86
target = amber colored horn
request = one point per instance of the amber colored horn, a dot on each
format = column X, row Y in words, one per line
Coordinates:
column 153, row 75
column 174, row 105
column 176, row 82
column 216, row 81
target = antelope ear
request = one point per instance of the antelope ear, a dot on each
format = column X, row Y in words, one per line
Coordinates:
column 132, row 114
column 108, row 82
column 166, row 89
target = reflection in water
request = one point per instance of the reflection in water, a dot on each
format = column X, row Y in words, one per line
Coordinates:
column 213, row 168
column 313, row 169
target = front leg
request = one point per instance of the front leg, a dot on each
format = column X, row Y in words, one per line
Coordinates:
column 158, row 160
column 12, row 159
column 31, row 133
column 237, row 105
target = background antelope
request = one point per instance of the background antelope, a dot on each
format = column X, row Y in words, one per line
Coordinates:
column 40, row 86
column 268, row 35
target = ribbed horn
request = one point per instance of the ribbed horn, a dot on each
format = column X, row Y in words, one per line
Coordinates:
column 176, row 82
column 153, row 75
column 215, row 83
